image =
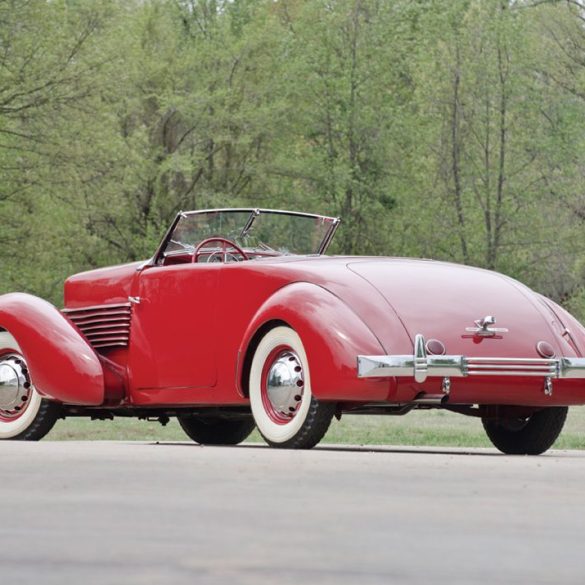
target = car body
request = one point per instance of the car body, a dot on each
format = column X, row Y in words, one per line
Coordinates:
column 240, row 318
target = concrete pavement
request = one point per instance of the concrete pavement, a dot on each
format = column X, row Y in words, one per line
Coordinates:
column 140, row 513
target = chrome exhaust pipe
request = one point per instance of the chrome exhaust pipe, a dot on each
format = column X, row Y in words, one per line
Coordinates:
column 424, row 399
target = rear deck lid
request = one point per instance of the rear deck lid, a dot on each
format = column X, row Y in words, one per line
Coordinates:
column 443, row 301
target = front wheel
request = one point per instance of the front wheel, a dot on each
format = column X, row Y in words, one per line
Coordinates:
column 284, row 408
column 24, row 414
column 216, row 431
column 531, row 435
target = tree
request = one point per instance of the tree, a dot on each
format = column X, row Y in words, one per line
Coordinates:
column 347, row 77
column 49, row 70
column 490, row 136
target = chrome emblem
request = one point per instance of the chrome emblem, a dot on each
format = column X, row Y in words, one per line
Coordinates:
column 484, row 328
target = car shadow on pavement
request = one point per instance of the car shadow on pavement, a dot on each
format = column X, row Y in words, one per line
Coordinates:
column 350, row 449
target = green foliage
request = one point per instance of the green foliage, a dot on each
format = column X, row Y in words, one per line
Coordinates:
column 451, row 129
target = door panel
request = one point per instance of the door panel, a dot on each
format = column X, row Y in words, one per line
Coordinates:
column 174, row 327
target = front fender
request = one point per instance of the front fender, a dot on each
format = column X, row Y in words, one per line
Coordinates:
column 333, row 336
column 61, row 363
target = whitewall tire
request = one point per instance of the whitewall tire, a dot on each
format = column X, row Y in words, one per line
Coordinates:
column 24, row 414
column 284, row 408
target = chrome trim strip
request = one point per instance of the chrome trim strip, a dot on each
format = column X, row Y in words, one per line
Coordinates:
column 108, row 333
column 539, row 368
column 112, row 323
column 421, row 366
column 96, row 307
column 114, row 315
column 257, row 210
column 163, row 244
column 335, row 221
column 514, row 373
column 95, row 321
column 490, row 360
column 112, row 337
column 110, row 344
column 103, row 325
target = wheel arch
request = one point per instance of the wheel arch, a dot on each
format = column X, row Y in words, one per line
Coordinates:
column 262, row 330
column 332, row 334
column 63, row 366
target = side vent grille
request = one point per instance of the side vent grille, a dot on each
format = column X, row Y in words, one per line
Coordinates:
column 103, row 325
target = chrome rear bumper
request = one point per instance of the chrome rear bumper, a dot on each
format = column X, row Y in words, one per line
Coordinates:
column 421, row 366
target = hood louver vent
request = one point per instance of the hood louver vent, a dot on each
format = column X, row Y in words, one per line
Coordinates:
column 103, row 325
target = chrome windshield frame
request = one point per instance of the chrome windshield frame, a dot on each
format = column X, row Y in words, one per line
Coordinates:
column 255, row 212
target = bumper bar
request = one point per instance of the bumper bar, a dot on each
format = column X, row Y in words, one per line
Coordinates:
column 421, row 366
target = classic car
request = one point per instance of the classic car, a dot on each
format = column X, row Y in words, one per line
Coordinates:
column 240, row 320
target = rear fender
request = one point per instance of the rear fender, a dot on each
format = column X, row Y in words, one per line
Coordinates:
column 332, row 334
column 571, row 331
column 62, row 365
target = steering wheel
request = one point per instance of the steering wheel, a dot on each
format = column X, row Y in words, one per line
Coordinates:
column 225, row 246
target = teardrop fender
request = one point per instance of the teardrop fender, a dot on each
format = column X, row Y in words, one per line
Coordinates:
column 62, row 364
column 332, row 334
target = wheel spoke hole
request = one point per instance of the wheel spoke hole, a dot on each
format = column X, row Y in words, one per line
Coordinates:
column 16, row 395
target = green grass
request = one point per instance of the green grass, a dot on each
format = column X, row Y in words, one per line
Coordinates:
column 419, row 428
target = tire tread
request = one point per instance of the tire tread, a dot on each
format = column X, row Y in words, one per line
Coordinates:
column 539, row 434
column 48, row 414
column 314, row 428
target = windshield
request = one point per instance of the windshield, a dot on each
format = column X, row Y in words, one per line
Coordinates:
column 259, row 232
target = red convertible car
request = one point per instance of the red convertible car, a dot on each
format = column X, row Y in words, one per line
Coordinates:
column 240, row 320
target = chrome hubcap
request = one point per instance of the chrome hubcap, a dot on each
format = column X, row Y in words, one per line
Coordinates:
column 15, row 386
column 284, row 385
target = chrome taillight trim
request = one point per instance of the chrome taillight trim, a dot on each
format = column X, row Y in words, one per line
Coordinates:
column 421, row 366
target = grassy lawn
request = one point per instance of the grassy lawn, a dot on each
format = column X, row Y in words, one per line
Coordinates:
column 430, row 428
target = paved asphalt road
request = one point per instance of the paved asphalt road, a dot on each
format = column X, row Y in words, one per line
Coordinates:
column 118, row 513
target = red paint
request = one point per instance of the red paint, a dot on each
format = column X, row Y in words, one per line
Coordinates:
column 173, row 337
column 195, row 326
column 106, row 286
column 61, row 363
column 333, row 336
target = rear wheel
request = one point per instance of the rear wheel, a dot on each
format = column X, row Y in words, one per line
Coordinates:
column 216, row 431
column 284, row 408
column 24, row 414
column 531, row 435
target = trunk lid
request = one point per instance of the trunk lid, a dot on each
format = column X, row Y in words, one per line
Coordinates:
column 441, row 300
